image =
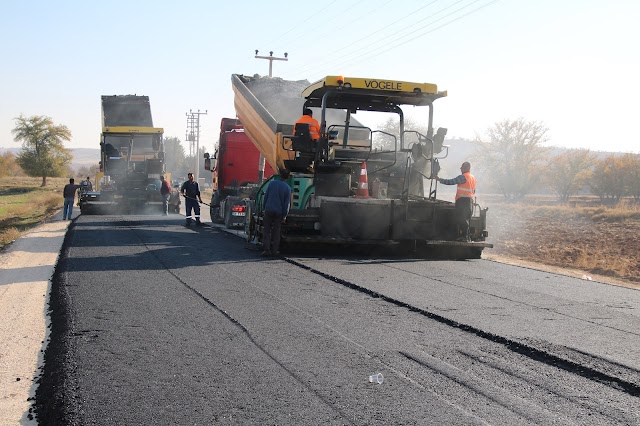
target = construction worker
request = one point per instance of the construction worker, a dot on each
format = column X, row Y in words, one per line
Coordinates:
column 277, row 199
column 190, row 191
column 86, row 185
column 69, row 194
column 465, row 198
column 314, row 127
column 165, row 192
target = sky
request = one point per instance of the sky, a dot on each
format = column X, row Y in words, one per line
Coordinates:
column 573, row 65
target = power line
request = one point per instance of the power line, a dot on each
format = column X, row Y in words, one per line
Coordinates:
column 342, row 14
column 432, row 30
column 371, row 34
column 347, row 65
column 347, row 23
column 393, row 41
column 312, row 16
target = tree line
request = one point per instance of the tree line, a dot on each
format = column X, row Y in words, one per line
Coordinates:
column 43, row 153
column 516, row 163
column 512, row 156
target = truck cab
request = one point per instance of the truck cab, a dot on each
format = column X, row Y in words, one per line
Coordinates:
column 237, row 169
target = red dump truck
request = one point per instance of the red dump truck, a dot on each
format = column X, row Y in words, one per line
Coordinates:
column 238, row 171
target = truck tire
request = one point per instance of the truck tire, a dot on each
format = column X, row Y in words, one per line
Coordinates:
column 227, row 218
column 249, row 223
column 214, row 209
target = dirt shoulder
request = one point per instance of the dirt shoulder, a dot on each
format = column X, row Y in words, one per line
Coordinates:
column 569, row 272
column 560, row 240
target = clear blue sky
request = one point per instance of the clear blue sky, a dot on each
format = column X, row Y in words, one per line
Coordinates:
column 573, row 64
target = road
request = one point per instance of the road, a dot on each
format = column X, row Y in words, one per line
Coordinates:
column 155, row 323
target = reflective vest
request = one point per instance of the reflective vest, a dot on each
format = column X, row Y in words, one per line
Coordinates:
column 467, row 189
column 314, row 127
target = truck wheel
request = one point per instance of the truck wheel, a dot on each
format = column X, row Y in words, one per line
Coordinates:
column 249, row 223
column 227, row 219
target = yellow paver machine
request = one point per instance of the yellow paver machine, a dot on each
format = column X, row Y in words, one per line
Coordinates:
column 398, row 206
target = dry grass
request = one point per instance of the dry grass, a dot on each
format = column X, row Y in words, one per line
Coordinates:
column 616, row 213
column 24, row 204
column 600, row 240
column 8, row 235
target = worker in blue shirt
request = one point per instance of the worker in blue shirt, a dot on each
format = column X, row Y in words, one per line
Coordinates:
column 191, row 191
column 277, row 199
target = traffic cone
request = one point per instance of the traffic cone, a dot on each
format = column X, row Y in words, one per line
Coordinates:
column 363, row 183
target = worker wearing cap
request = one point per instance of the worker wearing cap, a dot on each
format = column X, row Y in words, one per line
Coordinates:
column 314, row 127
column 465, row 198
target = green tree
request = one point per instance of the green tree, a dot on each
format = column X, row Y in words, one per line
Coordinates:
column 512, row 154
column 174, row 156
column 568, row 172
column 43, row 153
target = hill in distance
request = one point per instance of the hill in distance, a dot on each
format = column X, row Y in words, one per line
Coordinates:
column 82, row 157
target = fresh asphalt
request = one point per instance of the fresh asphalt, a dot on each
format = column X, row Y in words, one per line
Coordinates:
column 155, row 323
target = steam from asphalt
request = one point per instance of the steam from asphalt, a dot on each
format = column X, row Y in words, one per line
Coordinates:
column 126, row 110
column 283, row 99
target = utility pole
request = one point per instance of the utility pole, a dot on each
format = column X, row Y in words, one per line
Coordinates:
column 193, row 136
column 269, row 58
column 272, row 58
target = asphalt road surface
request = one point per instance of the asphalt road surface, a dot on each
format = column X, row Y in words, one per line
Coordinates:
column 156, row 323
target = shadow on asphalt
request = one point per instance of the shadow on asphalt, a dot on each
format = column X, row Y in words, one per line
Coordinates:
column 107, row 243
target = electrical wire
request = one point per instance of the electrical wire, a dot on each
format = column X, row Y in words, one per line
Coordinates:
column 370, row 54
column 394, row 43
column 367, row 37
column 395, row 40
column 344, row 24
column 312, row 16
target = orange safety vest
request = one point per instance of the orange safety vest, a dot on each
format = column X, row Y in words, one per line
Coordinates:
column 467, row 189
column 314, row 127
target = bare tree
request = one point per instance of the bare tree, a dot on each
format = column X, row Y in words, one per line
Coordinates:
column 511, row 154
column 43, row 153
column 392, row 126
column 91, row 170
column 630, row 169
column 568, row 172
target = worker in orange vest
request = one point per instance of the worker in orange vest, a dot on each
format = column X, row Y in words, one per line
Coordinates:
column 314, row 127
column 465, row 198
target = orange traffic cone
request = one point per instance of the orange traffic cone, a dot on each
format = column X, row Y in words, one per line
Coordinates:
column 363, row 183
